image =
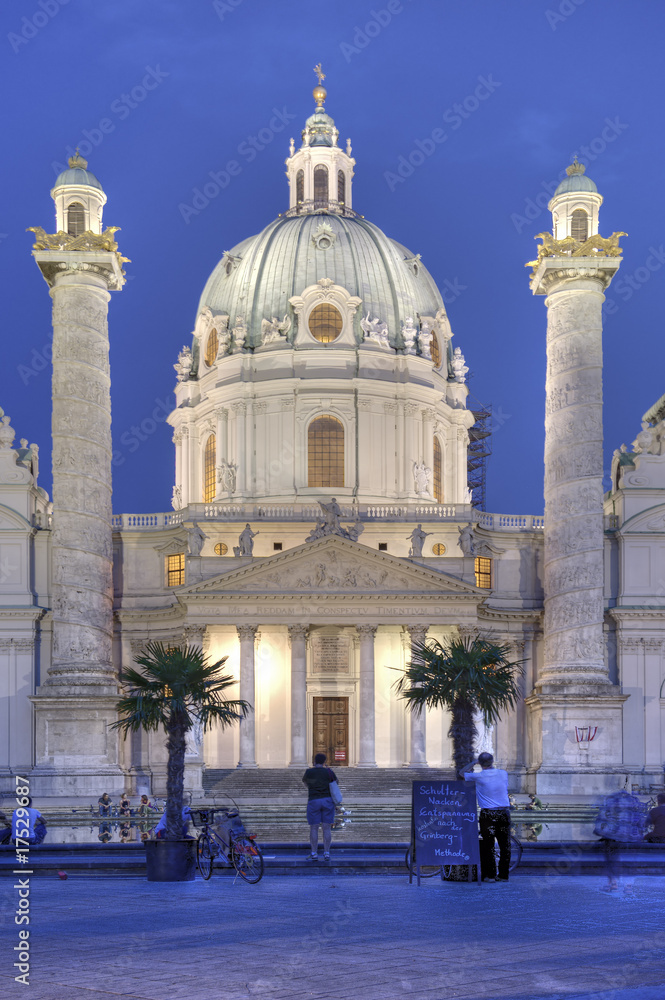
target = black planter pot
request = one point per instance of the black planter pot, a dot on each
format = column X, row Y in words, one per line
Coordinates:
column 170, row 860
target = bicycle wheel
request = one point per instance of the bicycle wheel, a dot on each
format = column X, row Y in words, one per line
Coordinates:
column 247, row 859
column 204, row 856
column 515, row 852
column 426, row 871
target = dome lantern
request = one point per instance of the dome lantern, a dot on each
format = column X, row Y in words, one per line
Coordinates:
column 575, row 205
column 320, row 173
column 79, row 199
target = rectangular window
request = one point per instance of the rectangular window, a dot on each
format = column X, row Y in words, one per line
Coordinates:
column 175, row 570
column 483, row 573
column 277, row 546
column 383, row 546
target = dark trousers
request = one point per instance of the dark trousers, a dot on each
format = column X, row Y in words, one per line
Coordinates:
column 494, row 827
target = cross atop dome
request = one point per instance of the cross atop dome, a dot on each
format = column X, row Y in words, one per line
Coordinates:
column 320, row 172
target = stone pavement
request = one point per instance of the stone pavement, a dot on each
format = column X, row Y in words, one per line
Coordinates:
column 338, row 938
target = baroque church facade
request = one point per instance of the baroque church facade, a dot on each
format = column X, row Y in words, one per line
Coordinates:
column 321, row 518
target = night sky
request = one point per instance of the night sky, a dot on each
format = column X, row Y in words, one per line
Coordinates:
column 166, row 92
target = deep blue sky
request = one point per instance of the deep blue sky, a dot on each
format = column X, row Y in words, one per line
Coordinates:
column 557, row 79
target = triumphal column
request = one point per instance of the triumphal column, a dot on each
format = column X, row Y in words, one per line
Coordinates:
column 576, row 709
column 77, row 754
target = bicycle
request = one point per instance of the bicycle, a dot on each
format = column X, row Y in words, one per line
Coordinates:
column 241, row 851
column 430, row 871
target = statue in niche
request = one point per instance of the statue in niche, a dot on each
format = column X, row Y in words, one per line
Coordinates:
column 467, row 540
column 375, row 330
column 239, row 333
column 226, row 476
column 245, row 546
column 422, row 475
column 195, row 540
column 183, row 366
column 409, row 334
column 459, row 367
column 417, row 539
column 425, row 339
column 176, row 498
column 274, row 329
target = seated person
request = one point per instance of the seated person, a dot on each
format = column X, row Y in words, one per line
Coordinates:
column 144, row 806
column 28, row 824
column 123, row 808
column 160, row 829
column 105, row 802
column 657, row 819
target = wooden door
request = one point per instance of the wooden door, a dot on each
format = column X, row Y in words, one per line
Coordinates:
column 331, row 730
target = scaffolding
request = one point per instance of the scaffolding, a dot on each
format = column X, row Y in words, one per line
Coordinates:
column 479, row 451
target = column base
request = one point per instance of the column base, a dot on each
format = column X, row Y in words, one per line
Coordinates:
column 244, row 766
column 371, row 763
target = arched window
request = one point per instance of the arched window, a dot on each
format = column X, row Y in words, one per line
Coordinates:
column 437, row 478
column 325, row 323
column 209, row 463
column 325, row 452
column 212, row 346
column 579, row 225
column 341, row 186
column 300, row 186
column 435, row 350
column 321, row 184
column 75, row 219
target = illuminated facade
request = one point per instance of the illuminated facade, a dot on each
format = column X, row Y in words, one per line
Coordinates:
column 320, row 429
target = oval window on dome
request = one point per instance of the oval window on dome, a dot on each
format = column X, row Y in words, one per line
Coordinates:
column 435, row 350
column 325, row 323
column 212, row 346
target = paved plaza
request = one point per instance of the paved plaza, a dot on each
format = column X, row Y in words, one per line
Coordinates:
column 337, row 937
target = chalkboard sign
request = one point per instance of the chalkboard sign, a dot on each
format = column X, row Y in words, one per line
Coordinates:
column 445, row 823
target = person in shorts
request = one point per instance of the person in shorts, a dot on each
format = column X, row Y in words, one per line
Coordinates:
column 320, row 806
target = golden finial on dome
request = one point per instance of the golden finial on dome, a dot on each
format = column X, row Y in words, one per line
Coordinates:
column 77, row 160
column 319, row 92
column 575, row 167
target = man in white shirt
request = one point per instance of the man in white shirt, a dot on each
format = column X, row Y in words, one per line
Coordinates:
column 494, row 819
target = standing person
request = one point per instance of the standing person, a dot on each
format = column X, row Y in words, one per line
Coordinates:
column 28, row 824
column 320, row 806
column 492, row 792
column 657, row 820
column 622, row 819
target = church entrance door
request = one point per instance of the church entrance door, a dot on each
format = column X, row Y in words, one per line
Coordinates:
column 331, row 730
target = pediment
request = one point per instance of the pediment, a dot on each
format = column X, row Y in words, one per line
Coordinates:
column 332, row 565
column 650, row 520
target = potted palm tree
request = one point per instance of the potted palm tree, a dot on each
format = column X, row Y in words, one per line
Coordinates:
column 468, row 674
column 174, row 689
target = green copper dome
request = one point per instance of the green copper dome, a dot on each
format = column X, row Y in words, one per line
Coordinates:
column 257, row 277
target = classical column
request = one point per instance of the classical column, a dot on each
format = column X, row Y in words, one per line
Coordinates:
column 366, row 756
column 185, row 467
column 247, row 636
column 76, row 701
column 411, row 447
column 400, row 477
column 574, row 686
column 222, row 455
column 428, row 416
column 418, row 750
column 298, row 640
column 196, row 636
column 239, row 408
